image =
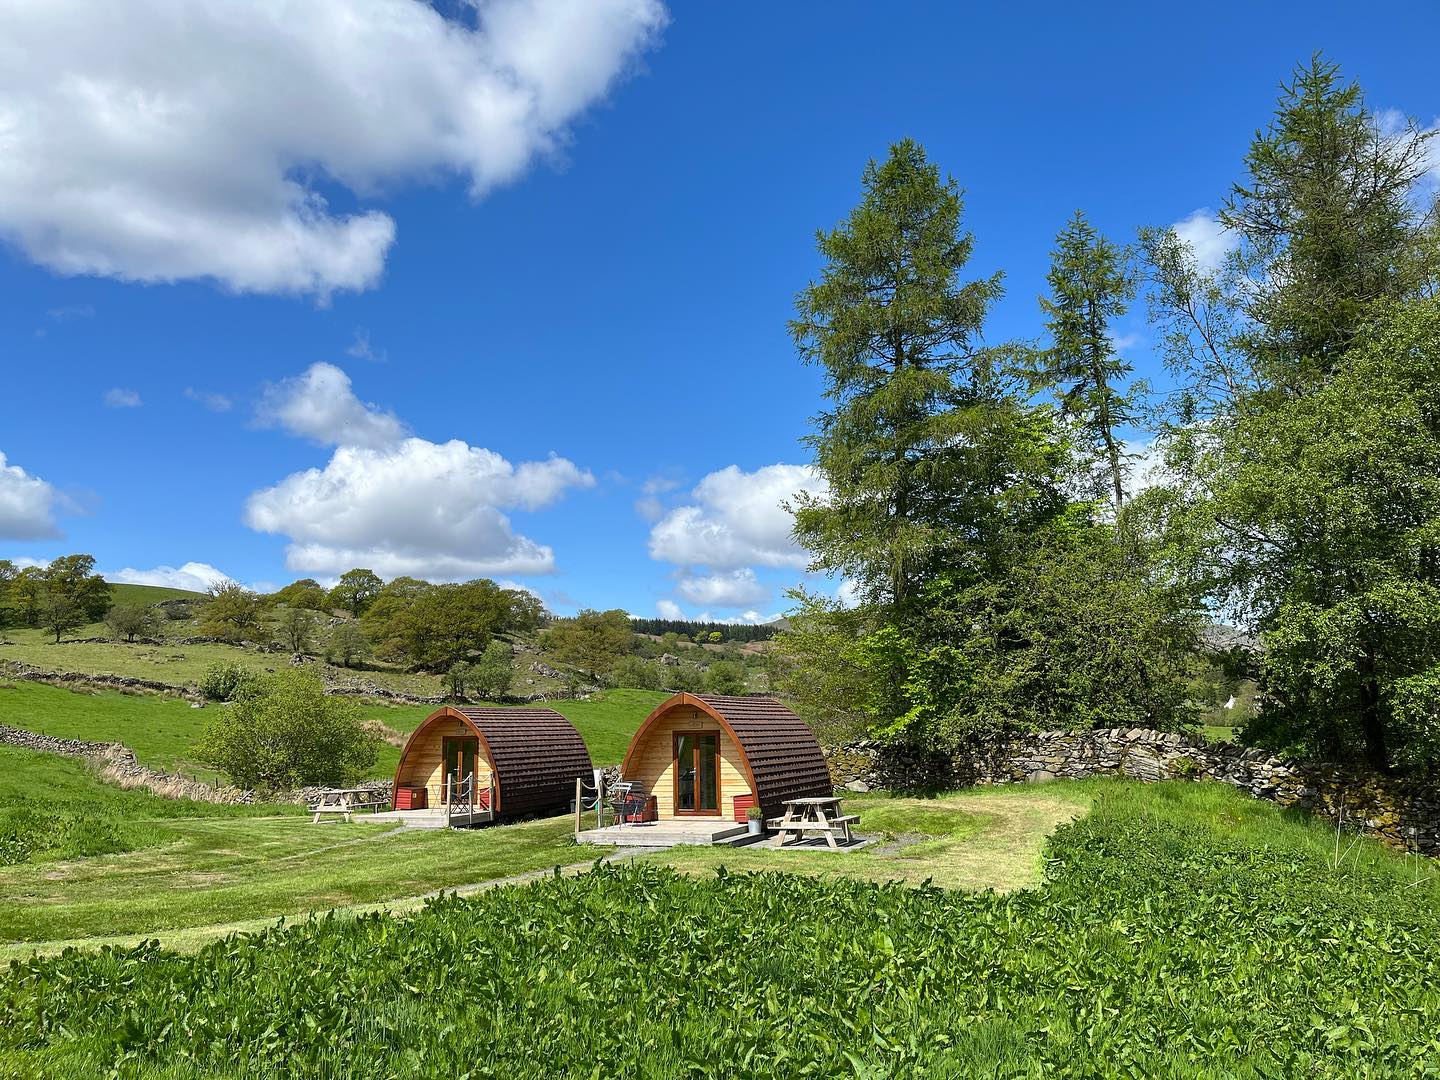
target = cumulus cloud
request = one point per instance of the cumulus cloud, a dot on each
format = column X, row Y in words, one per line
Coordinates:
column 194, row 576
column 848, row 594
column 668, row 609
column 740, row 588
column 119, row 398
column 320, row 405
column 1208, row 239
column 425, row 509
column 162, row 141
column 736, row 519
column 27, row 505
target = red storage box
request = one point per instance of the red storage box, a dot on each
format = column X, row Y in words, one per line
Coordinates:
column 411, row 798
column 633, row 814
column 742, row 806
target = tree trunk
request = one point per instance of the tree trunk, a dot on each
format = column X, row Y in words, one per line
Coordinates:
column 1372, row 723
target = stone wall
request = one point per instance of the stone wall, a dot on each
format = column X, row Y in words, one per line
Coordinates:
column 1400, row 815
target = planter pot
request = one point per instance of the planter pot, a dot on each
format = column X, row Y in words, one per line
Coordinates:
column 756, row 826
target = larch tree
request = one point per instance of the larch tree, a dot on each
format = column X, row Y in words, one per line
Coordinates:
column 897, row 334
column 1090, row 286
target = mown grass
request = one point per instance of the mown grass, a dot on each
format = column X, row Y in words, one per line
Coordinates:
column 54, row 808
column 1183, row 931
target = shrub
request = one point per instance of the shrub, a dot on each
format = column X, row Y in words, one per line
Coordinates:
column 491, row 675
column 637, row 674
column 285, row 732
column 223, row 681
column 725, row 677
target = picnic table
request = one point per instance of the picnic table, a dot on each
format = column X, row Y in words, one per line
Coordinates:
column 344, row 801
column 820, row 815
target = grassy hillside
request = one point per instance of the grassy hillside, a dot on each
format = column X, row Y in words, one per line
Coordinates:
column 149, row 594
column 1184, row 931
column 162, row 730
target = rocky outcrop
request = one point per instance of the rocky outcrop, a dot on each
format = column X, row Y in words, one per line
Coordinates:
column 1401, row 815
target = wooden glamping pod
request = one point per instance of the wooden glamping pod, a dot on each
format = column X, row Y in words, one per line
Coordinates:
column 705, row 756
column 479, row 765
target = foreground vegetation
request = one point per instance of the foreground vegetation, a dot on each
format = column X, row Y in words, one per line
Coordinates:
column 1184, row 931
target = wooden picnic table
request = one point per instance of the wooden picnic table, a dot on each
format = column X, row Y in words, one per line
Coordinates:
column 344, row 801
column 815, row 814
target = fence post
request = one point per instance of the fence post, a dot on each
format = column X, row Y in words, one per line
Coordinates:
column 579, row 803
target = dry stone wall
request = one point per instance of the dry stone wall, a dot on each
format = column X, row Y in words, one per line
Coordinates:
column 1401, row 815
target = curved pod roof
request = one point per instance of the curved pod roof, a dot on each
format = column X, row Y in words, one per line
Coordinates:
column 536, row 755
column 781, row 755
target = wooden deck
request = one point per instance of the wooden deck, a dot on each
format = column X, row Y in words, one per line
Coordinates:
column 434, row 818
column 668, row 833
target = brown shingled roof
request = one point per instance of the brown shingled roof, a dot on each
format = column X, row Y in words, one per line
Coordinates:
column 536, row 754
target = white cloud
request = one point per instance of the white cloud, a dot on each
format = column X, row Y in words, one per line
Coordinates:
column 361, row 349
column 194, row 576
column 119, row 398
column 1394, row 122
column 71, row 312
column 740, row 588
column 668, row 609
column 320, row 405
column 737, row 519
column 212, row 401
column 848, row 594
column 160, row 140
column 27, row 505
column 1145, row 464
column 425, row 509
column 1208, row 239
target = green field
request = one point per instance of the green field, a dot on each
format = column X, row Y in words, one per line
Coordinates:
column 149, row 594
column 1183, row 931
column 162, row 730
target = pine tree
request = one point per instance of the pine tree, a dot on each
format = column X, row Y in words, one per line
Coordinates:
column 1090, row 285
column 897, row 334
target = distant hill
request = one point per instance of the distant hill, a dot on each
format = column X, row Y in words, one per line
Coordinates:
column 149, row 594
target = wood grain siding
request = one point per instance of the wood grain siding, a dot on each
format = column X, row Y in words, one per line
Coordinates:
column 534, row 755
column 762, row 742
column 654, row 765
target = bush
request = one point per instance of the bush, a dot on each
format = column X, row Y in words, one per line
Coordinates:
column 283, row 731
column 129, row 620
column 223, row 681
column 725, row 677
column 491, row 675
column 637, row 674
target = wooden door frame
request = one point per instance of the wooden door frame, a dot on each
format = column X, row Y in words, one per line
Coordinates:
column 675, row 737
column 445, row 741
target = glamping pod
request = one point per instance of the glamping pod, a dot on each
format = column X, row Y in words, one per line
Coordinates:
column 499, row 763
column 704, row 755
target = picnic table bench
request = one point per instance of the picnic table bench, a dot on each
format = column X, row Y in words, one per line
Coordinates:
column 345, row 801
column 817, row 815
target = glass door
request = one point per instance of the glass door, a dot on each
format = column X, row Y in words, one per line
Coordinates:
column 458, row 765
column 697, row 773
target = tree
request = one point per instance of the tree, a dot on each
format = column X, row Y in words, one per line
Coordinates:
column 1343, row 485
column 492, row 674
column 1090, row 285
column 60, row 614
column 130, row 620
column 305, row 594
column 1330, row 256
column 8, row 613
column 896, row 334
column 232, row 613
column 283, row 731
column 725, row 677
column 356, row 590
column 443, row 624
column 457, row 679
column 26, row 590
column 348, row 644
column 73, row 577
column 592, row 641
column 297, row 627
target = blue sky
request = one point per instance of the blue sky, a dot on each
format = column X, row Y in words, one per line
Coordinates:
column 549, row 282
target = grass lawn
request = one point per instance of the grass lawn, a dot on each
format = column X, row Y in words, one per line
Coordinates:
column 987, row 838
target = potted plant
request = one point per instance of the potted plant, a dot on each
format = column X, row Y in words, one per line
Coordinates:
column 756, row 818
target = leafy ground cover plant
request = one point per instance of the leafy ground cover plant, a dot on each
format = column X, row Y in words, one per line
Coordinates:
column 1184, row 935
